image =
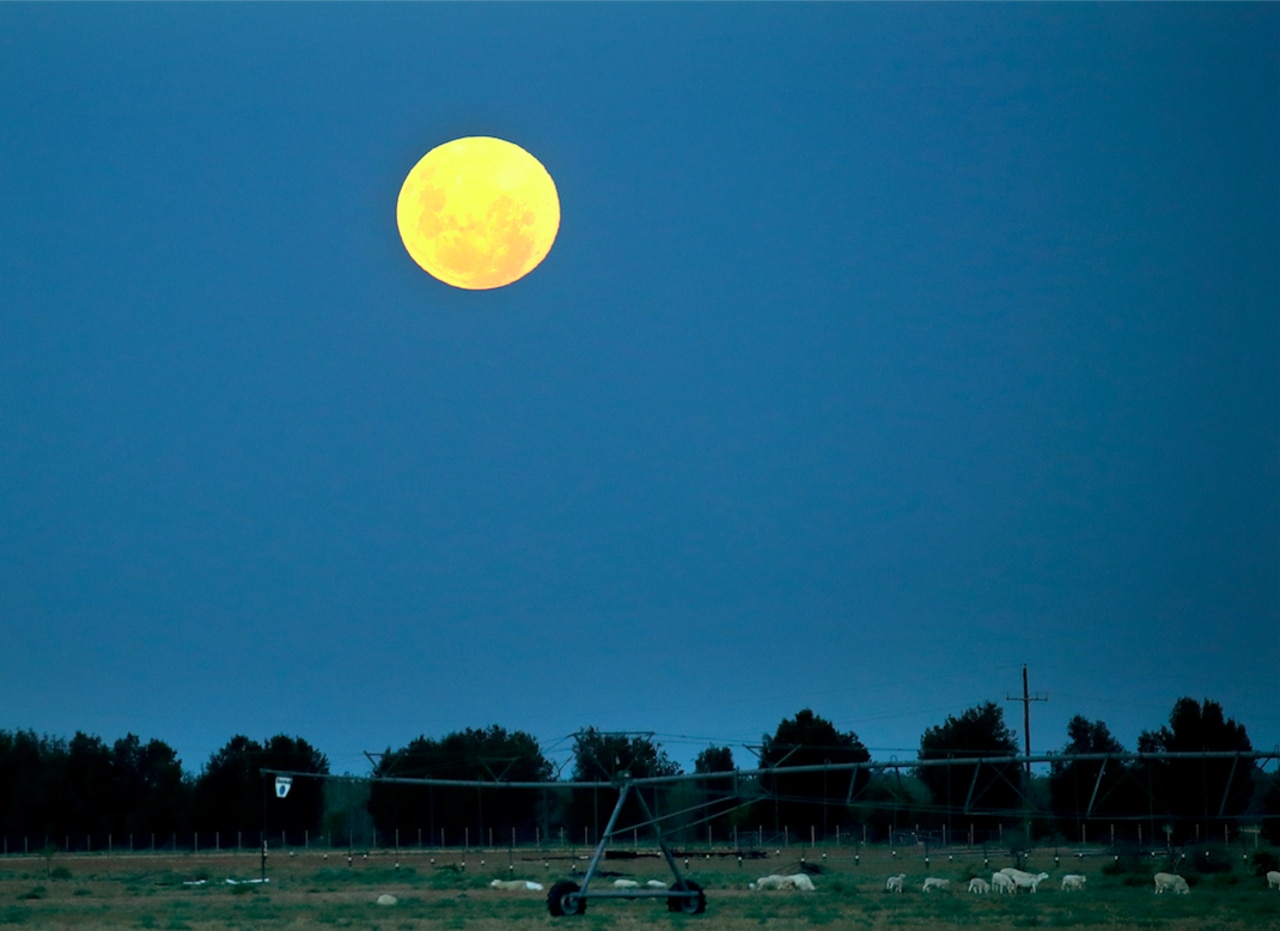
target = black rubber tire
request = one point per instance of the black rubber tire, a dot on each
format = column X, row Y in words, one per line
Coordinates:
column 689, row 905
column 559, row 903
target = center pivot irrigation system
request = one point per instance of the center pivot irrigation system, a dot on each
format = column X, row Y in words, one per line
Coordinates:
column 682, row 895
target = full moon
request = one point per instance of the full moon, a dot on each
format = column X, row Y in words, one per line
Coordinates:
column 478, row 212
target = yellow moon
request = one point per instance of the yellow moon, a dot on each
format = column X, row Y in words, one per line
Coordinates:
column 478, row 212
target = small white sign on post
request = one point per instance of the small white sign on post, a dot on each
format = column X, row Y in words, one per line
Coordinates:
column 283, row 784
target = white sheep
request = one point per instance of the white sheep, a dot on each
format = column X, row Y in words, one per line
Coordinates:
column 894, row 883
column 801, row 882
column 980, row 885
column 625, row 884
column 1002, row 883
column 1073, row 881
column 516, row 885
column 656, row 884
column 933, row 882
column 797, row 881
column 1024, row 880
column 1273, row 880
column 1166, row 881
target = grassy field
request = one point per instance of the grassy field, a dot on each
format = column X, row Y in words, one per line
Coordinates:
column 435, row 891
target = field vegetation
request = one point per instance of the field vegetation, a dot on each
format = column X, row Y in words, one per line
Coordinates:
column 450, row 889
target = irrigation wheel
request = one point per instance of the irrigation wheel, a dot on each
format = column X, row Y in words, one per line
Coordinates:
column 690, row 905
column 563, row 899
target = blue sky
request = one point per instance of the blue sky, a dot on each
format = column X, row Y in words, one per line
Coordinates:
column 883, row 349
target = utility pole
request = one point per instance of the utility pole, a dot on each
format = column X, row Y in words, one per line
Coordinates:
column 1026, row 699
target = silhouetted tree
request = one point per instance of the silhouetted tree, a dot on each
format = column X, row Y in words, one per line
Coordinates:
column 231, row 791
column 27, row 807
column 1271, row 809
column 714, row 760
column 716, row 794
column 82, row 790
column 1195, row 790
column 604, row 757
column 86, row 787
column 801, row 800
column 474, row 755
column 149, row 791
column 978, row 732
column 1073, row 783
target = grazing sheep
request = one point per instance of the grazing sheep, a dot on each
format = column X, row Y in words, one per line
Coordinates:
column 516, row 885
column 1073, row 881
column 1165, row 881
column 1273, row 880
column 625, row 884
column 797, row 881
column 894, row 883
column 978, row 884
column 656, row 884
column 1024, row 880
column 772, row 881
column 1002, row 883
column 933, row 882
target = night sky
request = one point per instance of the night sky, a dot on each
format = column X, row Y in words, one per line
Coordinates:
column 883, row 349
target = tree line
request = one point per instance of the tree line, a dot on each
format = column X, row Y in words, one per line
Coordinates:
column 60, row 791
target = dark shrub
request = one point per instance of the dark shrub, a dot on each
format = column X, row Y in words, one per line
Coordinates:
column 1263, row 862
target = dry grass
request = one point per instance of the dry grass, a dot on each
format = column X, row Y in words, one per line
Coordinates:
column 435, row 892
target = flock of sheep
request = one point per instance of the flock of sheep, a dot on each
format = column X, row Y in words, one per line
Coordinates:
column 1006, row 880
